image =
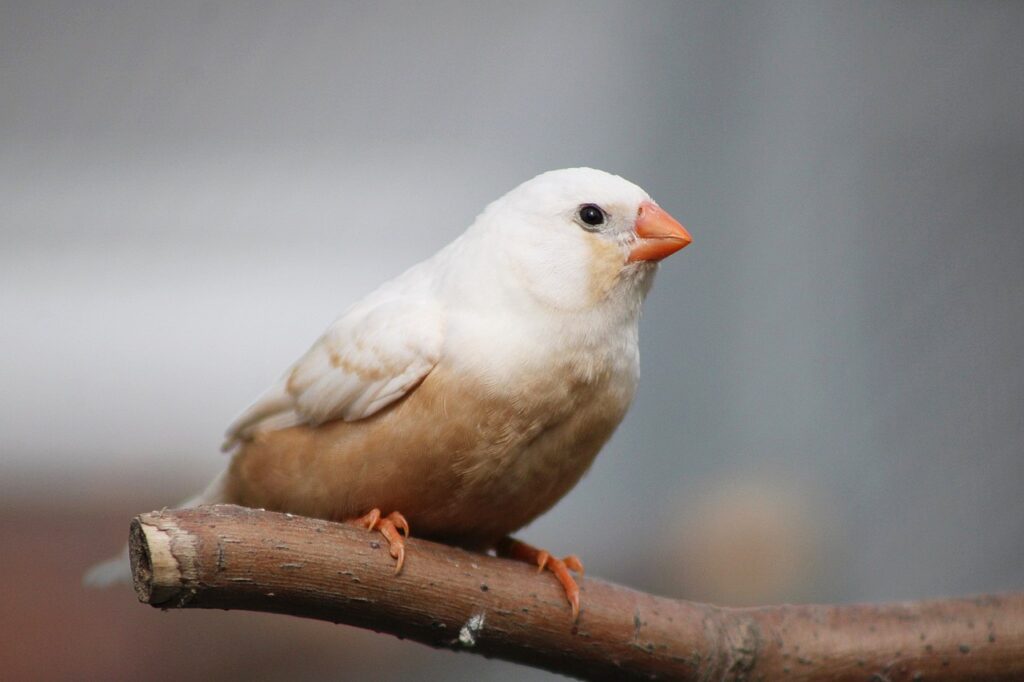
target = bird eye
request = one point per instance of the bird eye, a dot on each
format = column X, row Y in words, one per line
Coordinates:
column 591, row 214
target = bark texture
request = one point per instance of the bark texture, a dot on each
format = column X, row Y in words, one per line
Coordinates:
column 228, row 557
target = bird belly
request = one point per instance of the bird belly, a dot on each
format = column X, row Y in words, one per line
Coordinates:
column 466, row 461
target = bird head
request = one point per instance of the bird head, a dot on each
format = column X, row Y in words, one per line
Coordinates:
column 580, row 238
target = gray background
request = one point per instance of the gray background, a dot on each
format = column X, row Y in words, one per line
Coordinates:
column 833, row 386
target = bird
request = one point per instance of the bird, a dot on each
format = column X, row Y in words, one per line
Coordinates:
column 466, row 396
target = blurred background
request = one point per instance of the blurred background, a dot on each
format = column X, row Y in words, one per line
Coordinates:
column 832, row 406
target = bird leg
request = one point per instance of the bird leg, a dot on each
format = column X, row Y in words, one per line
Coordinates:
column 520, row 551
column 392, row 527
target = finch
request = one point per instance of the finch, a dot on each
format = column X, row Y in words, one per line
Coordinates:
column 465, row 397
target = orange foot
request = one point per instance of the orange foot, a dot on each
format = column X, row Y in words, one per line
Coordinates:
column 391, row 527
column 520, row 551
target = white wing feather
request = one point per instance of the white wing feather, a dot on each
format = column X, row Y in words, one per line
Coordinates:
column 369, row 358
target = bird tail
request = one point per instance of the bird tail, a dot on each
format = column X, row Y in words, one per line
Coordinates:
column 117, row 569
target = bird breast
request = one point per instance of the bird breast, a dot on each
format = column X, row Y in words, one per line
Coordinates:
column 468, row 457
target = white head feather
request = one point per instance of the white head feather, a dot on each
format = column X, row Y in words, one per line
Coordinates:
column 530, row 246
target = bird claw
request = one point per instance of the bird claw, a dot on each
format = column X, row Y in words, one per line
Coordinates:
column 368, row 520
column 573, row 563
column 520, row 551
column 392, row 527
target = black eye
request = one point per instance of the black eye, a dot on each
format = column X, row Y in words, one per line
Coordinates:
column 591, row 214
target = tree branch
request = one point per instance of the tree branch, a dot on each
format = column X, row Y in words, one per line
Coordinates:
column 228, row 557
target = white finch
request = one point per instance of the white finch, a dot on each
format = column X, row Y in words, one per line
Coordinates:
column 466, row 396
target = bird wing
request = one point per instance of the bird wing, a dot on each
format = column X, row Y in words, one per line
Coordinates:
column 366, row 360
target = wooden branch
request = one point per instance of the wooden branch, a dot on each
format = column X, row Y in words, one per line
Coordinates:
column 227, row 557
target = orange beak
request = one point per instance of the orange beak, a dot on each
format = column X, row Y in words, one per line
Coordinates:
column 659, row 234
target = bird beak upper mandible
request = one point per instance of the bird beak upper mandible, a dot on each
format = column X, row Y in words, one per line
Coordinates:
column 659, row 235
